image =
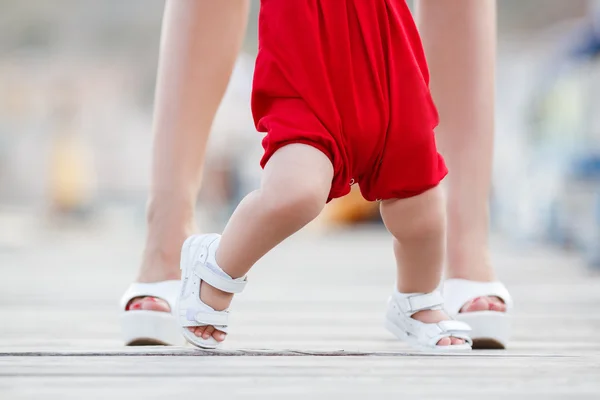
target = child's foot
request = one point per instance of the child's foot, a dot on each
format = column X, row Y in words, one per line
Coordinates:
column 206, row 292
column 219, row 301
column 433, row 317
column 418, row 318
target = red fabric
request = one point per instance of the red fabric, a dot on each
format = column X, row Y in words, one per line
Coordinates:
column 350, row 78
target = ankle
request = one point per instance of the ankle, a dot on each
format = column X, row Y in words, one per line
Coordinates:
column 405, row 289
column 160, row 260
column 215, row 298
column 473, row 266
column 157, row 267
column 168, row 227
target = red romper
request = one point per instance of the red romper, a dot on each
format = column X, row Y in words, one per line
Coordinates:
column 349, row 77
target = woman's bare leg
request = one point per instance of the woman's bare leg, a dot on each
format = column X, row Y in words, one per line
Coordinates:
column 199, row 45
column 459, row 37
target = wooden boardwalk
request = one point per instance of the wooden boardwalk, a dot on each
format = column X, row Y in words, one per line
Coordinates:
column 309, row 325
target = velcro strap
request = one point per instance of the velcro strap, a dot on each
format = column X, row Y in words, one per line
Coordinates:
column 214, row 318
column 454, row 326
column 418, row 302
column 200, row 317
column 217, row 278
column 443, row 329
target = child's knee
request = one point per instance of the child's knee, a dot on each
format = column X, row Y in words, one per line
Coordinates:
column 302, row 203
column 419, row 217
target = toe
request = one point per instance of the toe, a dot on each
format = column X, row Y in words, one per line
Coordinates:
column 477, row 304
column 444, row 342
column 197, row 330
column 496, row 304
column 208, row 332
column 135, row 304
column 149, row 304
column 219, row 336
column 154, row 304
column 456, row 341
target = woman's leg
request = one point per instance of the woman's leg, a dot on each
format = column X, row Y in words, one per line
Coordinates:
column 459, row 37
column 199, row 45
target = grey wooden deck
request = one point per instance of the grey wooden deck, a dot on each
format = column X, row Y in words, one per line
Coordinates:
column 309, row 325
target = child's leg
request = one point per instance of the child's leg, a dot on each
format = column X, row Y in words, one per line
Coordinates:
column 295, row 185
column 418, row 226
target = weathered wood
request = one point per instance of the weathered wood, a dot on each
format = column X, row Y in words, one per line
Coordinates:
column 310, row 324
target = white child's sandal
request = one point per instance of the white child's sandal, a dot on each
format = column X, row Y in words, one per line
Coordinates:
column 146, row 327
column 198, row 264
column 490, row 329
column 420, row 335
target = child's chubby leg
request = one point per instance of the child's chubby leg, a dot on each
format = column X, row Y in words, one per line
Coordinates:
column 418, row 226
column 295, row 186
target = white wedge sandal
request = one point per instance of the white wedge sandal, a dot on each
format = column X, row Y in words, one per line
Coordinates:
column 151, row 328
column 420, row 335
column 198, row 264
column 490, row 329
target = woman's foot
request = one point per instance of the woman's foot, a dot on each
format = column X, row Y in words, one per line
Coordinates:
column 152, row 275
column 149, row 304
column 484, row 303
column 146, row 317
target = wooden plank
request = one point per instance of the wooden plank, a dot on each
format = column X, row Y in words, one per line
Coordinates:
column 310, row 324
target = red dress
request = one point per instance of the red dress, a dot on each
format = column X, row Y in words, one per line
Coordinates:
column 349, row 77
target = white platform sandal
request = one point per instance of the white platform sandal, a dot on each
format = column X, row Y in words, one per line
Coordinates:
column 198, row 264
column 422, row 336
column 151, row 328
column 490, row 329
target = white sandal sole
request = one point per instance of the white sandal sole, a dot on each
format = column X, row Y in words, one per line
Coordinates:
column 410, row 340
column 490, row 329
column 150, row 328
column 146, row 327
column 209, row 344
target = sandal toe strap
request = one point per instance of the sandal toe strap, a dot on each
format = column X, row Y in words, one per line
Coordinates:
column 165, row 290
column 200, row 317
column 432, row 333
column 457, row 292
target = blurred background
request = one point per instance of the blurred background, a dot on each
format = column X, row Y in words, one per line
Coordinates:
column 76, row 92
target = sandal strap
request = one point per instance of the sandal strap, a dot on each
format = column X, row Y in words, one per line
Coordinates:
column 217, row 278
column 411, row 303
column 165, row 290
column 444, row 329
column 454, row 326
column 458, row 292
column 202, row 317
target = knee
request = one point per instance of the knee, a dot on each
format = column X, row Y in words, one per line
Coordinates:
column 301, row 203
column 417, row 218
